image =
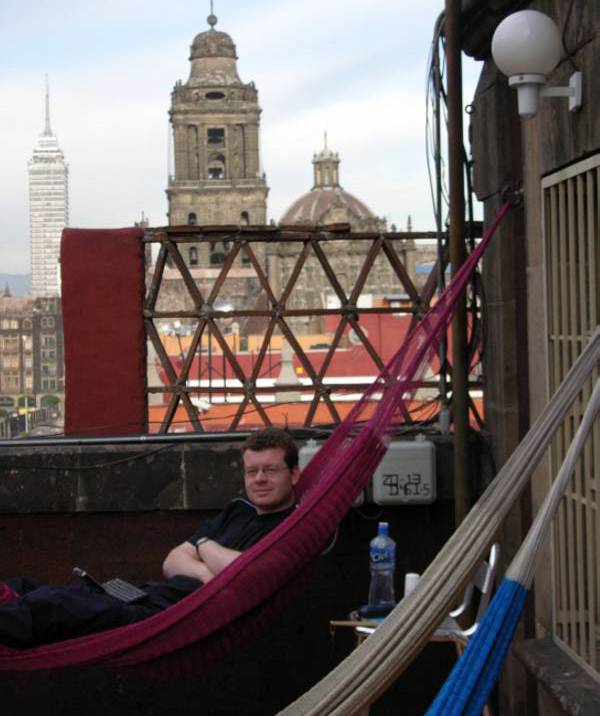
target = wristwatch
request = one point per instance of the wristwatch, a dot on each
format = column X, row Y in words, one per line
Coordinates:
column 200, row 541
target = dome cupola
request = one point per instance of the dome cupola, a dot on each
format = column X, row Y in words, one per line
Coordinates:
column 213, row 57
column 326, row 168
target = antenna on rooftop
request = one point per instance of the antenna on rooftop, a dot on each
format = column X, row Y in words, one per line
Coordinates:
column 47, row 129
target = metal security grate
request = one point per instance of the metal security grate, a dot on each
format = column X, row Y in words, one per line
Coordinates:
column 571, row 216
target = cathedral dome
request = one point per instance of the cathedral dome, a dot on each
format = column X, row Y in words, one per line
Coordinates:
column 327, row 202
column 327, row 205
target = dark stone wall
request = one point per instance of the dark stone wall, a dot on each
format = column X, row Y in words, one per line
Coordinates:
column 267, row 667
column 118, row 478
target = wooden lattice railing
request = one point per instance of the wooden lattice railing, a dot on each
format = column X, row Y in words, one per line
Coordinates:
column 236, row 294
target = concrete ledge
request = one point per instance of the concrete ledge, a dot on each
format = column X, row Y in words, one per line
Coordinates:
column 185, row 476
column 116, row 478
column 138, row 478
column 570, row 686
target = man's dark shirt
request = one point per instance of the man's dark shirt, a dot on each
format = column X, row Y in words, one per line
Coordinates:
column 239, row 526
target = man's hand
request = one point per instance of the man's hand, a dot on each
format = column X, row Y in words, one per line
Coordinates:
column 184, row 560
column 202, row 563
column 216, row 557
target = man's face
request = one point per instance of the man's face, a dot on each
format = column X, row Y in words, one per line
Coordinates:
column 269, row 481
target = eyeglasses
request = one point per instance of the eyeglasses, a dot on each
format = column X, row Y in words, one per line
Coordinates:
column 267, row 470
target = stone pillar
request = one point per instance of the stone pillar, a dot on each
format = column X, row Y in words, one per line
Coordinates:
column 202, row 171
column 193, row 148
column 252, row 166
column 181, row 155
column 235, row 153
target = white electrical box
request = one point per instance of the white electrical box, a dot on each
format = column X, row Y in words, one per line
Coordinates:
column 406, row 474
column 305, row 455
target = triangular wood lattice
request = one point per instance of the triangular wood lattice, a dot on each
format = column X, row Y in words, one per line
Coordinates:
column 225, row 367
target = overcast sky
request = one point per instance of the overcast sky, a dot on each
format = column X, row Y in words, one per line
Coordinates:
column 353, row 68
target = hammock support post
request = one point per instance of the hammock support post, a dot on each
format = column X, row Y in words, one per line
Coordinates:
column 460, row 401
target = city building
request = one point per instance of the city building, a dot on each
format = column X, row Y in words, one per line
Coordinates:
column 48, row 210
column 215, row 116
column 16, row 349
column 48, row 351
column 217, row 181
column 31, row 353
column 216, row 177
column 328, row 202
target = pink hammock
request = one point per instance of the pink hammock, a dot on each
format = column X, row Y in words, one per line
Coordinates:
column 328, row 487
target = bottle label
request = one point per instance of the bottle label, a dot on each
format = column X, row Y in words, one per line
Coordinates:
column 382, row 557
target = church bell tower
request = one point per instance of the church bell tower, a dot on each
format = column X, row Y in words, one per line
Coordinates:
column 215, row 120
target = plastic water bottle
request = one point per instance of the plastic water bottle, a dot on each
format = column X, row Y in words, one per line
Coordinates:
column 382, row 558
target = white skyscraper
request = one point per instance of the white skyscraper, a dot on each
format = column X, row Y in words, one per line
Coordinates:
column 48, row 210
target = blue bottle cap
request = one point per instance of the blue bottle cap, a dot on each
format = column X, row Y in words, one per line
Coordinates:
column 383, row 529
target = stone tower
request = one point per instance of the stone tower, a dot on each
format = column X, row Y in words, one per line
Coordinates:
column 48, row 209
column 215, row 118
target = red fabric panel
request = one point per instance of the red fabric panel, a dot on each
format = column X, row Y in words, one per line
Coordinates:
column 105, row 348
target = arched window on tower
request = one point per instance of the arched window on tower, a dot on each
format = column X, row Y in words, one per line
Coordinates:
column 215, row 136
column 193, row 256
column 216, row 166
column 218, row 252
column 192, row 218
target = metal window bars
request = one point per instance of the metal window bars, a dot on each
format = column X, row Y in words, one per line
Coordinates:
column 571, row 216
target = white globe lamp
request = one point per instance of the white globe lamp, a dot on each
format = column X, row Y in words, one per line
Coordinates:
column 526, row 47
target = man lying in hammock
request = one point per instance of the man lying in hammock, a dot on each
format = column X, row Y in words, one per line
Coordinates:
column 35, row 613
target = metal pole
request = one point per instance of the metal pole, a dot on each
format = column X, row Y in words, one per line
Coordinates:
column 209, row 364
column 441, row 239
column 460, row 402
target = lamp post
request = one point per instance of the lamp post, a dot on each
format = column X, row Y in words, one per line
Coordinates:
column 178, row 331
column 460, row 396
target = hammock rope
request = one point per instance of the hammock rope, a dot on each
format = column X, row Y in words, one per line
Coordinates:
column 328, row 486
column 372, row 668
